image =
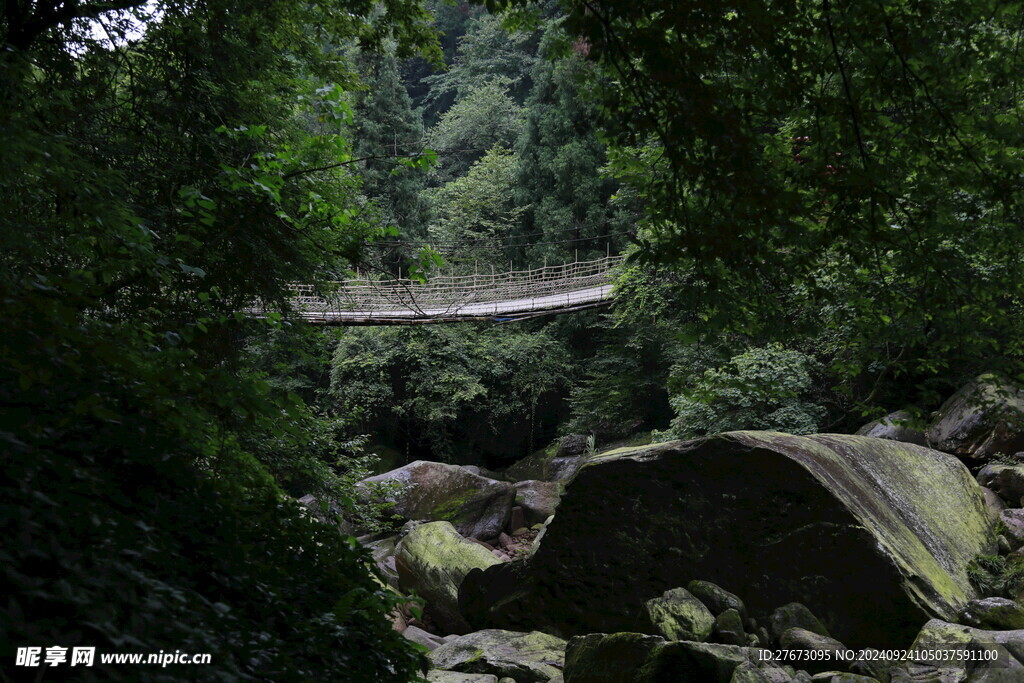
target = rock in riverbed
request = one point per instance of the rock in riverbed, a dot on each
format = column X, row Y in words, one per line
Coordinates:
column 434, row 491
column 526, row 657
column 432, row 561
column 873, row 535
column 983, row 418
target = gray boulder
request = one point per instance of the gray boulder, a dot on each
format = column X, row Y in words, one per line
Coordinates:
column 894, row 426
column 438, row 676
column 795, row 615
column 729, row 628
column 765, row 672
column 526, row 657
column 993, row 502
column 716, row 598
column 432, row 560
column 636, row 658
column 927, row 673
column 434, row 491
column 988, row 656
column 1006, row 480
column 382, row 546
column 1013, row 519
column 688, row 662
column 826, row 651
column 558, row 462
column 424, row 638
column 608, row 658
column 983, row 418
column 749, row 672
column 998, row 614
column 873, row 535
column 677, row 615
column 538, row 499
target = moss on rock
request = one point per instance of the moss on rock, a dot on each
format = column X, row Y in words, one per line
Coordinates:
column 678, row 615
column 873, row 535
column 432, row 560
column 608, row 658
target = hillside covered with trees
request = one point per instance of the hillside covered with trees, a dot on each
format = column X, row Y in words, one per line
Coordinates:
column 821, row 212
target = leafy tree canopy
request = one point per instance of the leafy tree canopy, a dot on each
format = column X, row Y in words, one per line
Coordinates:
column 476, row 212
column 454, row 391
column 861, row 162
column 487, row 116
column 155, row 181
column 488, row 53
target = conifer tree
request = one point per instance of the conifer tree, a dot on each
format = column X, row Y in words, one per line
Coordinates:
column 560, row 167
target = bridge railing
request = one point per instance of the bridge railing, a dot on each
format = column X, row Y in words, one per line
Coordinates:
column 448, row 294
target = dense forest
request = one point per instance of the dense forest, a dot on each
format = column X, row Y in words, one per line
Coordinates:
column 820, row 208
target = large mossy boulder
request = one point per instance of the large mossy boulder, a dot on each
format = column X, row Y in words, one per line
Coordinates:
column 526, row 657
column 608, row 657
column 716, row 598
column 873, row 535
column 999, row 614
column 434, row 491
column 982, row 419
column 822, row 652
column 794, row 615
column 432, row 560
column 729, row 628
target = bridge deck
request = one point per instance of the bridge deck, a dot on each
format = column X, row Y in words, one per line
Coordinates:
column 502, row 296
column 513, row 309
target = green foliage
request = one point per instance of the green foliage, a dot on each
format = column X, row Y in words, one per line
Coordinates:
column 292, row 358
column 486, row 117
column 762, row 388
column 488, row 53
column 995, row 575
column 452, row 390
column 387, row 132
column 622, row 387
column 150, row 190
column 477, row 210
column 861, row 163
column 155, row 558
column 560, row 180
column 325, row 461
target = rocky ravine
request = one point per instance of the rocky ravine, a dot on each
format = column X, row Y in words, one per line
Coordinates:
column 827, row 542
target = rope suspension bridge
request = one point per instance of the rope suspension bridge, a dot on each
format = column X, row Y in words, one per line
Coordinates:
column 498, row 297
